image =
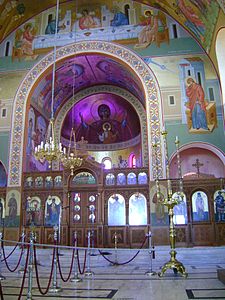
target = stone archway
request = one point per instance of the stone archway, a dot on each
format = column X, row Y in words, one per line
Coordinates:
column 127, row 57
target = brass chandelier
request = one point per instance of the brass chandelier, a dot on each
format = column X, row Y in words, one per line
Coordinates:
column 71, row 160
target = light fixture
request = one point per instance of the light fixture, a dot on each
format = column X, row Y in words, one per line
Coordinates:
column 71, row 160
column 51, row 150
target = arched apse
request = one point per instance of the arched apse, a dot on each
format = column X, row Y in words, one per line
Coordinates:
column 118, row 52
column 198, row 160
column 220, row 54
column 117, row 91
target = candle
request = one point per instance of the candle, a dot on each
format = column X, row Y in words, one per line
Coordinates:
column 177, row 139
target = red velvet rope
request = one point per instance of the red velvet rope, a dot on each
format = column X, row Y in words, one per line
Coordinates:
column 7, row 265
column 71, row 266
column 127, row 262
column 24, row 274
column 78, row 260
column 11, row 251
column 36, row 272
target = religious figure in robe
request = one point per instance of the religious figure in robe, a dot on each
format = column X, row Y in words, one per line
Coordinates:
column 196, row 104
column 220, row 206
column 52, row 212
column 12, row 205
column 105, row 130
column 150, row 28
column 87, row 21
column 200, row 208
column 119, row 18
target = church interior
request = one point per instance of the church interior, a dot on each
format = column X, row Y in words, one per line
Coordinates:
column 104, row 95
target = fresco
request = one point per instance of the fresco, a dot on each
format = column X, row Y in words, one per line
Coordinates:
column 200, row 209
column 114, row 21
column 73, row 76
column 12, row 209
column 219, row 205
column 141, row 24
column 33, row 211
column 102, row 119
column 3, row 176
column 52, row 211
column 23, row 44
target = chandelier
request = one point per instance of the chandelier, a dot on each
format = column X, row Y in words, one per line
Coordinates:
column 71, row 160
column 51, row 150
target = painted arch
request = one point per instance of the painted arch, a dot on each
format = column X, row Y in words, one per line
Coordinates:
column 126, row 56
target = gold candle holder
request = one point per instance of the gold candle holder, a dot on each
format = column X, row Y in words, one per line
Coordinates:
column 170, row 202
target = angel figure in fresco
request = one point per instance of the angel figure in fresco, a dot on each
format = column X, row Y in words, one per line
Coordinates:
column 196, row 104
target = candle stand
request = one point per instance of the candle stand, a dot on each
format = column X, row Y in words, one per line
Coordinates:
column 170, row 202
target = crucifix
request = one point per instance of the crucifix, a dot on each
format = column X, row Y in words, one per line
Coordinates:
column 197, row 165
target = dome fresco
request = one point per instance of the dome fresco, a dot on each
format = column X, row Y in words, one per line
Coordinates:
column 75, row 74
column 101, row 114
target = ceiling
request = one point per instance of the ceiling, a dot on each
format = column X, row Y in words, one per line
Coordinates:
column 15, row 13
column 80, row 72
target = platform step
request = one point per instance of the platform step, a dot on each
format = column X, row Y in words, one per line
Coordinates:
column 221, row 275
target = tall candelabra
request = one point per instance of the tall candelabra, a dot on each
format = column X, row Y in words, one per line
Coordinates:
column 170, row 202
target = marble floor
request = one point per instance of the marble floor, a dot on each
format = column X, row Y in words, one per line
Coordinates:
column 129, row 281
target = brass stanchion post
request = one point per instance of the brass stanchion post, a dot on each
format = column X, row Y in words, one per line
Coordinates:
column 30, row 265
column 55, row 288
column 150, row 272
column 22, row 264
column 88, row 271
column 75, row 278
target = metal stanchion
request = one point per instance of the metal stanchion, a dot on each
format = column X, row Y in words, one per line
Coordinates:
column 116, row 242
column 55, row 288
column 22, row 263
column 30, row 266
column 2, row 277
column 151, row 252
column 88, row 271
column 75, row 278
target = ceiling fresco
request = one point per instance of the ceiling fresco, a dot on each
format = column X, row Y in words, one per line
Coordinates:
column 105, row 119
column 198, row 17
column 79, row 73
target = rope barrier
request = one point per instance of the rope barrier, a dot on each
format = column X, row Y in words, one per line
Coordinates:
column 11, row 251
column 24, row 274
column 5, row 260
column 68, row 247
column 71, row 266
column 36, row 272
column 124, row 263
column 78, row 260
